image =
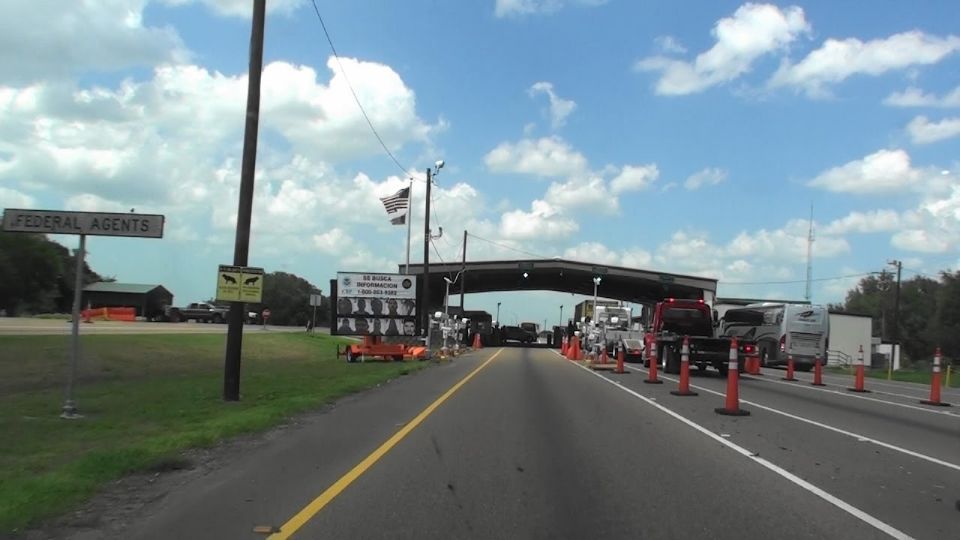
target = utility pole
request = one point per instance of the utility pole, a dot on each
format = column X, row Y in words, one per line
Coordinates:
column 426, row 259
column 241, row 248
column 896, row 303
column 463, row 270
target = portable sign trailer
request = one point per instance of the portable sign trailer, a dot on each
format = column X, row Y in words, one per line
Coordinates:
column 375, row 306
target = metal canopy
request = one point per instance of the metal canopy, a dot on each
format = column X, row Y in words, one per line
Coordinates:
column 618, row 283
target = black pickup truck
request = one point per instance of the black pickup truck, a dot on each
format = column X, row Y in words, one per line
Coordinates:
column 675, row 319
column 198, row 311
column 516, row 333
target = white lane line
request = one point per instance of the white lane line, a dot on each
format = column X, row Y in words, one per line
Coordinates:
column 858, row 396
column 857, row 436
column 924, row 391
column 839, row 503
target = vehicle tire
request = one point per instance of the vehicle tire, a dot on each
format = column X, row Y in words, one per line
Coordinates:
column 175, row 317
column 398, row 358
column 672, row 364
column 218, row 319
column 723, row 369
column 804, row 367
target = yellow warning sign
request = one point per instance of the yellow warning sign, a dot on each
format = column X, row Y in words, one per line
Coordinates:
column 239, row 284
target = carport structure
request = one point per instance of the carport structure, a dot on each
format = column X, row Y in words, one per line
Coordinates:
column 632, row 285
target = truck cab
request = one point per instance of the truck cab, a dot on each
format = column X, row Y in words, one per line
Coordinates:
column 676, row 319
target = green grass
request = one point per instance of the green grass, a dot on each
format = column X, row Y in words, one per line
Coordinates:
column 55, row 316
column 145, row 399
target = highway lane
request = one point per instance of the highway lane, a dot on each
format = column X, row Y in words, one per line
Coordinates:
column 536, row 446
column 22, row 326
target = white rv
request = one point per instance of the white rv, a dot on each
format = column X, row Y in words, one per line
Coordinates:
column 802, row 330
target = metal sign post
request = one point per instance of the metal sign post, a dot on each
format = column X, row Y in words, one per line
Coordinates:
column 82, row 224
column 69, row 404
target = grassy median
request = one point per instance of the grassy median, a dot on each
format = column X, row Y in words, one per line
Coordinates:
column 146, row 398
column 907, row 375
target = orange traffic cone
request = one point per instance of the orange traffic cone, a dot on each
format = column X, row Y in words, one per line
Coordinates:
column 935, row 383
column 684, row 387
column 732, row 406
column 858, row 384
column 789, row 376
column 620, row 360
column 817, row 372
column 563, row 346
column 652, row 374
column 477, row 344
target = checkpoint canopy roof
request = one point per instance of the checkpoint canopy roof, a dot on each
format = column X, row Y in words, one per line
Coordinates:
column 617, row 282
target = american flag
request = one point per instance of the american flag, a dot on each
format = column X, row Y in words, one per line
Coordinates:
column 397, row 206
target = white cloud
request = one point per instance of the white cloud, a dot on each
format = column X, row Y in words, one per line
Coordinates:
column 241, row 8
column 920, row 240
column 706, row 177
column 836, row 60
column 915, row 97
column 582, row 192
column 44, row 39
column 922, row 131
column 11, row 198
column 515, row 8
column 548, row 156
column 543, row 221
column 787, row 244
column 87, row 202
column 670, row 44
column 753, row 31
column 332, row 241
column 865, row 222
column 634, row 178
column 882, row 171
column 560, row 108
column 592, row 252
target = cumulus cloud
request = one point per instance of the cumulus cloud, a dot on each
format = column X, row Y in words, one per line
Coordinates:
column 836, row 59
column 516, row 8
column 70, row 38
column 634, row 178
column 548, row 156
column 864, row 222
column 915, row 97
column 560, row 108
column 753, row 31
column 11, row 198
column 788, row 243
column 706, row 177
column 934, row 226
column 543, row 221
column 670, row 44
column 923, row 131
column 882, row 171
column 596, row 252
column 582, row 192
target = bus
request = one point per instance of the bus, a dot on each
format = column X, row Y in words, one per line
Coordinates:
column 779, row 330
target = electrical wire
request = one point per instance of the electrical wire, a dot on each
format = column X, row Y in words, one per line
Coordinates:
column 316, row 9
column 799, row 280
column 504, row 246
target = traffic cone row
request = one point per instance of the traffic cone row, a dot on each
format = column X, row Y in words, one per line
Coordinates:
column 935, row 383
column 732, row 405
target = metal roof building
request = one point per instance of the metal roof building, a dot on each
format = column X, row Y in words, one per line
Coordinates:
column 148, row 300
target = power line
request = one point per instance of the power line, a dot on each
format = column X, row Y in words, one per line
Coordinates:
column 797, row 281
column 355, row 97
column 504, row 246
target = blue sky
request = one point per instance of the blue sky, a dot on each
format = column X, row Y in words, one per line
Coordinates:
column 687, row 137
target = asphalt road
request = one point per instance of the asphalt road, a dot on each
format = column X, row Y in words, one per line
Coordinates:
column 22, row 326
column 535, row 446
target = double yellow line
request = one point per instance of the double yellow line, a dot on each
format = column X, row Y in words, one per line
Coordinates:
column 303, row 516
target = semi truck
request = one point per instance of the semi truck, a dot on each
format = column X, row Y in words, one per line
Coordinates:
column 617, row 328
column 674, row 319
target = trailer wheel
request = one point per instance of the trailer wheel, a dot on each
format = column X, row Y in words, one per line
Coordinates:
column 723, row 369
column 672, row 363
column 398, row 358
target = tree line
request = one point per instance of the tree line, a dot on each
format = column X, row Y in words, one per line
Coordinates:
column 929, row 314
column 37, row 276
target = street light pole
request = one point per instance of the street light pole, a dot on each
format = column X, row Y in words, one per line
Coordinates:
column 596, row 284
column 896, row 303
column 498, row 313
column 561, row 314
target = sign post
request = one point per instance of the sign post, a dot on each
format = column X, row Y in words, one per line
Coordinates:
column 82, row 224
column 315, row 300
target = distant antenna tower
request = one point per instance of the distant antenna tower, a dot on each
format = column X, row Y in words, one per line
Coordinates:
column 809, row 256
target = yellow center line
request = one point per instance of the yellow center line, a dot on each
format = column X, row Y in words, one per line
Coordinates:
column 306, row 514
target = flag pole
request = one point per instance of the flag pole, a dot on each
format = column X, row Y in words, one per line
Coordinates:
column 409, row 222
